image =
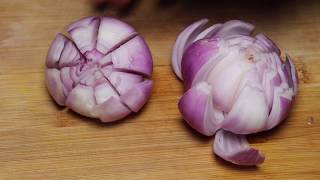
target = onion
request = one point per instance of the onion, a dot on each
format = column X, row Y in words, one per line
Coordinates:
column 102, row 71
column 236, row 84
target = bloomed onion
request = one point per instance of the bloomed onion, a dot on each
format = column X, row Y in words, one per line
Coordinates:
column 236, row 84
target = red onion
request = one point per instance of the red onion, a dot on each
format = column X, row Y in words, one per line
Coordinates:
column 103, row 71
column 236, row 84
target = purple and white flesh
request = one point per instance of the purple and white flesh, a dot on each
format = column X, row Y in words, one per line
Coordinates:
column 101, row 70
column 236, row 84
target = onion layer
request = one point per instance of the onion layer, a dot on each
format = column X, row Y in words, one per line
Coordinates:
column 236, row 84
column 103, row 71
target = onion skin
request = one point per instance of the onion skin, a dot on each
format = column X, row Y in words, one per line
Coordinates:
column 236, row 84
column 102, row 72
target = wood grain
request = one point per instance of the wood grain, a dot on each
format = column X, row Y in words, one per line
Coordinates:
column 39, row 140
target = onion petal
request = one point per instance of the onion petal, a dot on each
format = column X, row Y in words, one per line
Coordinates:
column 103, row 92
column 197, row 109
column 133, row 57
column 136, row 97
column 84, row 33
column 190, row 67
column 81, row 99
column 66, row 79
column 209, row 32
column 55, row 51
column 55, row 86
column 113, row 33
column 292, row 75
column 183, row 41
column 70, row 55
column 235, row 27
column 268, row 43
column 282, row 102
column 111, row 110
column 235, row 148
column 244, row 118
column 123, row 81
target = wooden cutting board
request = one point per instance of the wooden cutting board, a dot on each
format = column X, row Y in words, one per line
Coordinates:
column 39, row 140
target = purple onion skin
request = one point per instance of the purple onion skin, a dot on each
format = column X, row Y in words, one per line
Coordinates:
column 103, row 71
column 236, row 84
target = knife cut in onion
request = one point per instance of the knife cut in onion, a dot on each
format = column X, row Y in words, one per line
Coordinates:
column 101, row 70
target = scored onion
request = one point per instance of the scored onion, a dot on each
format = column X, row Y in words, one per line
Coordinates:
column 101, row 71
column 236, row 84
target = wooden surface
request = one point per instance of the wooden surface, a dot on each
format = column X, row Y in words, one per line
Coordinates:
column 39, row 140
